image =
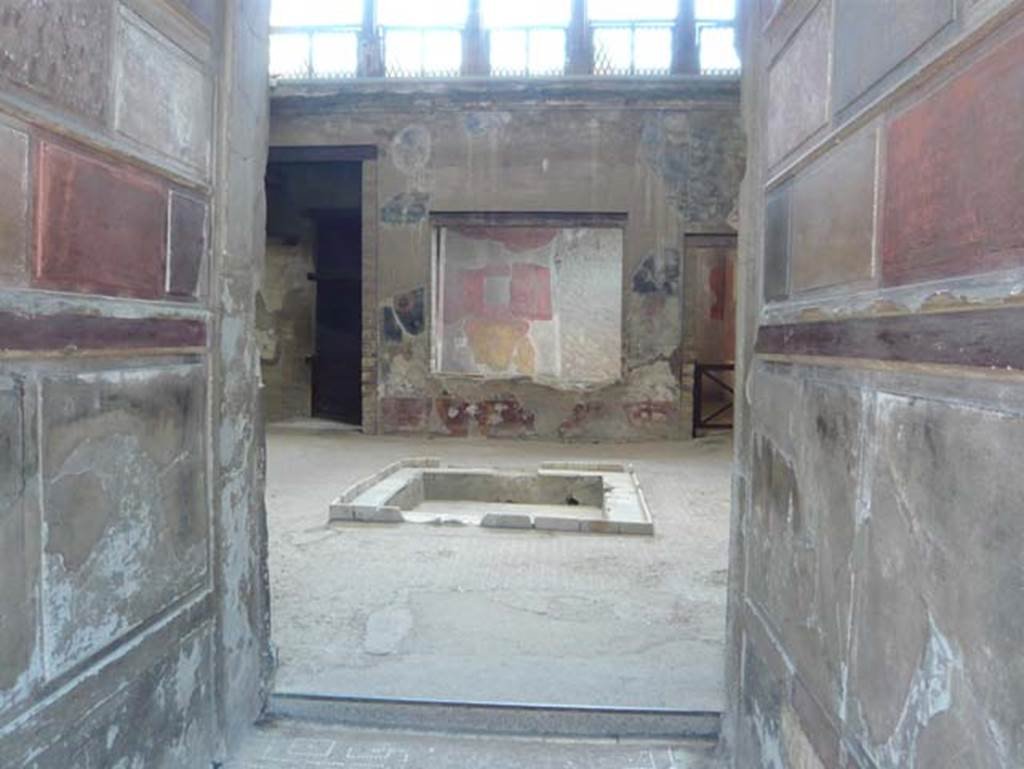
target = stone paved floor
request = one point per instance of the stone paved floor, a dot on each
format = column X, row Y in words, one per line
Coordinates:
column 295, row 745
column 469, row 614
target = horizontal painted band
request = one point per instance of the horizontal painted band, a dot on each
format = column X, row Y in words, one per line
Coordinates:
column 991, row 338
column 93, row 332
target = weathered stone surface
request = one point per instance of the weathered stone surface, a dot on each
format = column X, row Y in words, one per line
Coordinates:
column 700, row 158
column 404, row 414
column 161, row 717
column 59, row 49
column 124, row 503
column 204, row 10
column 186, row 252
column 163, row 99
column 895, row 32
column 19, row 539
column 764, row 688
column 717, row 158
column 776, row 244
column 833, row 217
column 73, row 331
column 100, row 226
column 405, row 208
column 798, row 84
column 14, row 197
column 954, row 204
column 941, row 573
column 805, row 501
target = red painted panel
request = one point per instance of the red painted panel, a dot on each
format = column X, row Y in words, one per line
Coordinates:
column 515, row 239
column 529, row 293
column 405, row 414
column 954, row 199
column 70, row 332
column 101, row 227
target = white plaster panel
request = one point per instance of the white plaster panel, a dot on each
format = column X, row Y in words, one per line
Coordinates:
column 164, row 99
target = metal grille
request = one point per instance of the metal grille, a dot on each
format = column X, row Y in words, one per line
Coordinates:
column 713, row 390
column 314, row 53
column 528, row 51
column 412, row 52
column 716, row 43
column 633, row 49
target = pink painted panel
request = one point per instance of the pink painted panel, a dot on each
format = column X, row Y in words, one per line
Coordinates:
column 101, row 227
column 954, row 197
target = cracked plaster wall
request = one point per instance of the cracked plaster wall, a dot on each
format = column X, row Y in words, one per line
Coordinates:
column 875, row 584
column 133, row 598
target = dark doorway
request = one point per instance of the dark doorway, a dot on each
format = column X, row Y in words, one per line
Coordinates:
column 311, row 301
column 710, row 329
column 337, row 381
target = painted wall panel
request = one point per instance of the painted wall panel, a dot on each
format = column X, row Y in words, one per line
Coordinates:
column 59, row 50
column 100, row 227
column 954, row 200
column 832, row 231
column 19, row 544
column 15, row 192
column 798, row 86
column 124, row 500
column 186, row 245
column 895, row 31
column 538, row 302
column 163, row 98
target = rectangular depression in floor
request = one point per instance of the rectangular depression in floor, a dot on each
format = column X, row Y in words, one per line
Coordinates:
column 558, row 496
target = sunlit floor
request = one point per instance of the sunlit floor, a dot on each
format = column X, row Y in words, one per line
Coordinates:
column 461, row 613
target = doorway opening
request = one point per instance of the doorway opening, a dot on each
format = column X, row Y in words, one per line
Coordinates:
column 311, row 305
column 534, row 333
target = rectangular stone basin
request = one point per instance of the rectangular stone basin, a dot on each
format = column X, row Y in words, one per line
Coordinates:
column 558, row 496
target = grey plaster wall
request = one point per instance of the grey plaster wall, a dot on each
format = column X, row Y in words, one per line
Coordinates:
column 669, row 155
column 875, row 585
column 133, row 611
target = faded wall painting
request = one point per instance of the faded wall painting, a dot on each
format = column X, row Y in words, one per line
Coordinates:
column 543, row 303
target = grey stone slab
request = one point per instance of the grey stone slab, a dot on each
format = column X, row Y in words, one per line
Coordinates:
column 554, row 523
column 635, row 527
column 377, row 515
column 19, row 545
column 833, row 220
column 496, row 719
column 798, row 86
column 776, row 244
column 805, row 505
column 188, row 235
column 939, row 569
column 506, row 521
column 895, row 31
column 124, row 499
column 60, row 50
column 499, row 498
column 161, row 715
column 15, row 192
column 163, row 98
